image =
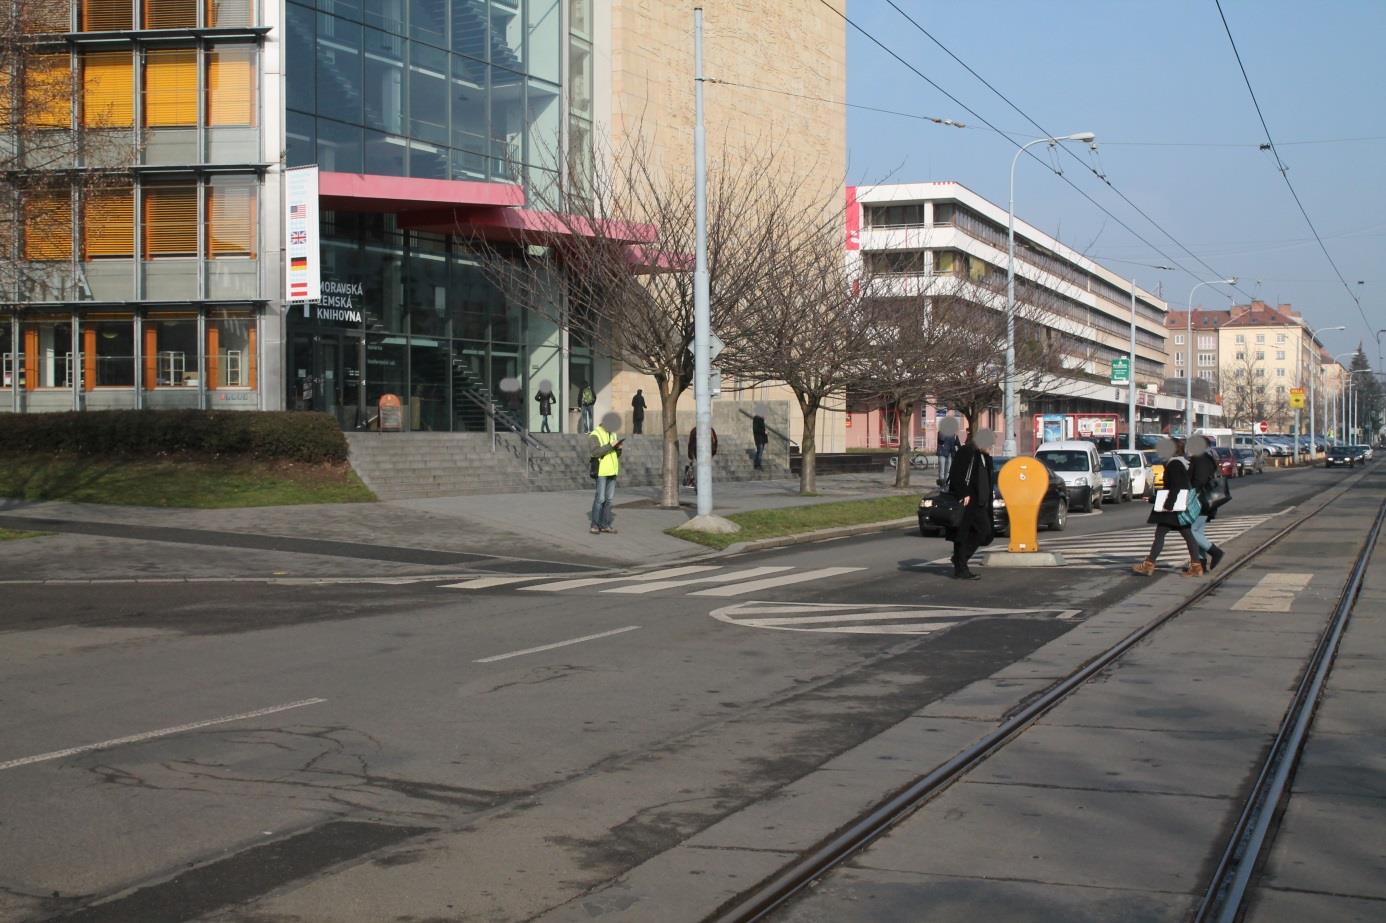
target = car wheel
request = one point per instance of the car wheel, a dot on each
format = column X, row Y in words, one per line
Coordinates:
column 1060, row 520
column 1094, row 501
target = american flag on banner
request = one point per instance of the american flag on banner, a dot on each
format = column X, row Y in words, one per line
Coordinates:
column 298, row 210
column 298, row 237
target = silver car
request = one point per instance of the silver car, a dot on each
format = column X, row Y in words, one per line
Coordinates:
column 1116, row 478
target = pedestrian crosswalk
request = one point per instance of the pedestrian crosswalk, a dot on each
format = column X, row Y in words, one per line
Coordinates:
column 709, row 580
column 1112, row 549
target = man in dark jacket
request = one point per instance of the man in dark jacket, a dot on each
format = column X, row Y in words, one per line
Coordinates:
column 637, row 412
column 759, row 436
column 970, row 481
column 1203, row 470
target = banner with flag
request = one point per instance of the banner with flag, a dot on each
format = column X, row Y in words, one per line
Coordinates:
column 303, row 267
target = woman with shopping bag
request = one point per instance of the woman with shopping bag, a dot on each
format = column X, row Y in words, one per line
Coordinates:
column 1174, row 510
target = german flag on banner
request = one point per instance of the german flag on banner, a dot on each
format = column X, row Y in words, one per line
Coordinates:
column 298, row 263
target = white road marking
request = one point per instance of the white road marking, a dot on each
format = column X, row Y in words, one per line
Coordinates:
column 556, row 644
column 581, row 582
column 866, row 618
column 1273, row 593
column 712, row 578
column 485, row 583
column 769, row 583
column 152, row 735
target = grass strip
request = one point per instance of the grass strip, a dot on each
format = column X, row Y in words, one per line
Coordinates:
column 796, row 520
column 10, row 535
column 184, row 482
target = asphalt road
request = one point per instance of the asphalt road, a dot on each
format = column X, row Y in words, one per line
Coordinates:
column 330, row 751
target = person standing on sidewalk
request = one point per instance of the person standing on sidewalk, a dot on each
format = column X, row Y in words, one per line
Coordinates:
column 947, row 448
column 606, row 457
column 970, row 481
column 1165, row 518
column 1203, row 471
column 545, row 399
column 759, row 436
column 586, row 401
column 637, row 412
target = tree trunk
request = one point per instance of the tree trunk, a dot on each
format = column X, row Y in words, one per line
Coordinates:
column 906, row 450
column 808, row 447
column 670, row 472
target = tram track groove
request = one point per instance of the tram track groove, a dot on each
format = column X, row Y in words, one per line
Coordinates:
column 772, row 894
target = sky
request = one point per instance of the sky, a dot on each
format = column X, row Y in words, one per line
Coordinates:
column 1158, row 83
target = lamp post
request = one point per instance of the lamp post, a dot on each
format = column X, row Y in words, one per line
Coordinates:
column 1352, row 403
column 1313, row 374
column 1012, row 411
column 1189, row 354
column 1131, row 380
column 1340, row 398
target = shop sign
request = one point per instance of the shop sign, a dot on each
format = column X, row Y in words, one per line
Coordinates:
column 391, row 414
column 234, row 398
column 336, row 305
column 1097, row 426
column 303, row 259
column 1121, row 371
column 1297, row 398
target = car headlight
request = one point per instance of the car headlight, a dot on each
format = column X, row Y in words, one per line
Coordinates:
column 926, row 504
column 1080, row 481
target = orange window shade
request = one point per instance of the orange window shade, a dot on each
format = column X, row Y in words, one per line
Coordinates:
column 170, row 221
column 230, row 12
column 6, row 100
column 48, row 225
column 109, row 227
column 107, row 15
column 213, row 356
column 231, row 87
column 31, row 358
column 151, row 357
column 230, row 221
column 250, row 358
column 170, row 88
column 88, row 358
column 48, row 92
column 108, row 90
column 36, row 18
column 170, row 14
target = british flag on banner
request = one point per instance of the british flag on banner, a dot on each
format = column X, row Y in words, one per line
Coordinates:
column 298, row 237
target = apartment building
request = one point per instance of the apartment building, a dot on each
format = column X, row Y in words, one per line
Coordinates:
column 905, row 238
column 1269, row 350
column 1202, row 352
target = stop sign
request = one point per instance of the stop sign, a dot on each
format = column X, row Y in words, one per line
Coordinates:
column 1263, row 427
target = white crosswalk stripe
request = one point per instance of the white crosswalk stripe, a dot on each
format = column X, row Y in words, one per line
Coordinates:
column 868, row 618
column 726, row 582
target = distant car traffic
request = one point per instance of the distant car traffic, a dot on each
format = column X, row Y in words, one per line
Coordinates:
column 1227, row 461
column 1249, row 461
column 1053, row 512
column 1116, row 478
column 1340, row 456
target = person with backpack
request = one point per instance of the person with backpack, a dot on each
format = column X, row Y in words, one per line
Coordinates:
column 605, row 450
column 1167, row 516
column 587, row 399
column 1203, row 477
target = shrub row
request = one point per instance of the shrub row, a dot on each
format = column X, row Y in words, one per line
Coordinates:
column 290, row 435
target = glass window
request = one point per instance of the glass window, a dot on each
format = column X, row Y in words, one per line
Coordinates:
column 48, row 91
column 385, row 154
column 170, row 352
column 580, row 78
column 428, row 161
column 580, row 16
column 170, row 220
column 428, row 21
column 339, row 68
column 231, row 86
column 107, row 15
column 1179, row 339
column 545, row 140
column 110, row 353
column 545, row 27
column 428, row 94
column 383, row 86
column 469, row 28
column 301, row 139
column 170, row 14
column 507, row 34
column 1241, row 338
column 945, row 261
column 339, row 146
column 1260, row 338
column 507, row 123
column 48, row 224
column 108, row 229
column 300, row 40
column 427, row 285
column 231, row 217
column 230, row 351
column 223, row 13
column 883, row 216
column 51, row 346
column 1280, row 354
column 11, row 358
column 170, row 88
column 1260, row 354
column 108, row 89
column 469, row 106
column 898, row 261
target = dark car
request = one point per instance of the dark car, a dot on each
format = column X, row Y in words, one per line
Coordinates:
column 1340, row 456
column 1249, row 460
column 1053, row 512
column 1227, row 461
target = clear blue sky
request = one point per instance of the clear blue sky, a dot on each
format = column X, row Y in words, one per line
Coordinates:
column 1155, row 71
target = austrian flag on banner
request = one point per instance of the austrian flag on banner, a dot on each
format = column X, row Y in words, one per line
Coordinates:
column 303, row 268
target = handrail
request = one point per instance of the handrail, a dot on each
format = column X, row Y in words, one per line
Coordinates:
column 768, row 427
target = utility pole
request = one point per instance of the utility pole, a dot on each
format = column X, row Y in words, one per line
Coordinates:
column 702, row 310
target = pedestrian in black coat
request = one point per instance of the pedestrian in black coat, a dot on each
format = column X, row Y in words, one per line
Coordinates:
column 1203, row 469
column 1166, row 519
column 970, row 481
column 637, row 412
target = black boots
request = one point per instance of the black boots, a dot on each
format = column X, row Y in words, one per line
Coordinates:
column 1215, row 556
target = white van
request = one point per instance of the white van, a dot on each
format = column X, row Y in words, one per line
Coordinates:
column 1077, row 463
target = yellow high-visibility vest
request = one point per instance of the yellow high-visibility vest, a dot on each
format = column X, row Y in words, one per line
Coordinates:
column 609, row 465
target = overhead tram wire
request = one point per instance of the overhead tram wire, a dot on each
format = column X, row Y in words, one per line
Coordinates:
column 936, row 119
column 1284, row 170
column 1087, row 166
column 1033, row 156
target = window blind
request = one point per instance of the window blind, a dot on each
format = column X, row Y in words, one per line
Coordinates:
column 230, row 12
column 109, row 228
column 170, row 88
column 231, row 87
column 48, row 92
column 170, row 14
column 108, row 90
column 48, row 225
column 170, row 221
column 230, row 221
column 107, row 15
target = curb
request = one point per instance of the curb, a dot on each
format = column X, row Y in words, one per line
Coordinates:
column 804, row 538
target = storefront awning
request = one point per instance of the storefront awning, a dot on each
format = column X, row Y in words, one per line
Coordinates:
column 367, row 192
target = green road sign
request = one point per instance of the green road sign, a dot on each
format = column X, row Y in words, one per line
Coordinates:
column 1121, row 371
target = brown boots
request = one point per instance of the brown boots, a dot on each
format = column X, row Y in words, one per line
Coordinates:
column 1145, row 568
column 1195, row 569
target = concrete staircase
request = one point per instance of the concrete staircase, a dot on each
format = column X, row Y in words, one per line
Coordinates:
column 399, row 466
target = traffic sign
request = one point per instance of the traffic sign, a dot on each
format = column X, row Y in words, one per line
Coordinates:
column 1263, row 427
column 714, row 347
column 1121, row 370
column 1297, row 398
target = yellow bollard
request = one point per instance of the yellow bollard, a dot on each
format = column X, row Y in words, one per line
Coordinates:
column 1023, row 483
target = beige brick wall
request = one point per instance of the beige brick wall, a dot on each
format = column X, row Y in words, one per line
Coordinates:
column 793, row 46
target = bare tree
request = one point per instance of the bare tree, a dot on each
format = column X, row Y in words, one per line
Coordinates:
column 1246, row 397
column 613, row 262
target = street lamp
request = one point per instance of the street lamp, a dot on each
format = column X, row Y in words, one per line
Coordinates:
column 1352, row 400
column 1340, row 398
column 1313, row 374
column 1131, row 374
column 1012, row 411
column 1188, row 354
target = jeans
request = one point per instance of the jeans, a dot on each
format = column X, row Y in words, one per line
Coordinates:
column 945, row 465
column 1158, row 546
column 1200, row 534
column 601, row 502
column 545, row 427
column 585, row 418
column 760, row 451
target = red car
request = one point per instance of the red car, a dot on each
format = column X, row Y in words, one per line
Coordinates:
column 1227, row 461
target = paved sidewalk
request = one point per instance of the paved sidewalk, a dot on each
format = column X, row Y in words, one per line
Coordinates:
column 540, row 526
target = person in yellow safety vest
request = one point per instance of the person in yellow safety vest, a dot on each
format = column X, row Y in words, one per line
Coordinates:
column 606, row 465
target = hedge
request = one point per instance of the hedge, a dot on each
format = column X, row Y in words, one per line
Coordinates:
column 290, row 435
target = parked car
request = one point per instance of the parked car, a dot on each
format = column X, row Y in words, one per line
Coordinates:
column 1140, row 471
column 1227, row 461
column 1053, row 512
column 1077, row 463
column 1116, row 478
column 1340, row 456
column 1249, row 461
column 1248, row 441
column 1157, row 473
